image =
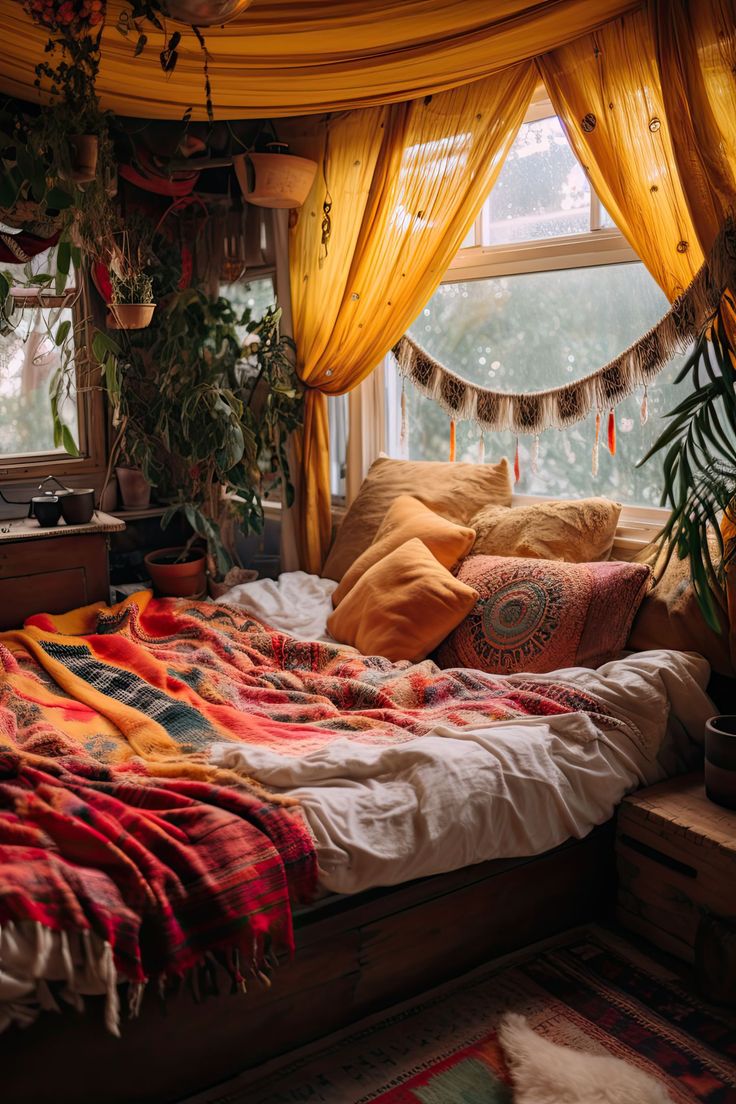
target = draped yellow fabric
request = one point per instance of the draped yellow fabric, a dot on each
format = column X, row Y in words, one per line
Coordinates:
column 606, row 89
column 406, row 182
column 696, row 52
column 282, row 58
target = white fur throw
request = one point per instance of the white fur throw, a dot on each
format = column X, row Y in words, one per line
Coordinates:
column 544, row 1073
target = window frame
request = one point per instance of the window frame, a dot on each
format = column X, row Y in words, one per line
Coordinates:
column 638, row 525
column 92, row 462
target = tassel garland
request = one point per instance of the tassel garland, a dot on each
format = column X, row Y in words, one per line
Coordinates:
column 482, row 450
column 644, row 408
column 562, row 406
column 612, row 432
column 404, row 434
column 535, row 456
column 517, row 468
column 594, row 463
column 452, row 441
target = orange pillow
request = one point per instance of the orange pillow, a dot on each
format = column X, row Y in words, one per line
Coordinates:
column 407, row 517
column 403, row 606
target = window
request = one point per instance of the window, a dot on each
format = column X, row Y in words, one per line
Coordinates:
column 29, row 357
column 544, row 290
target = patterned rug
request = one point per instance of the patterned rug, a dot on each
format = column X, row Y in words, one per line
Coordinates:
column 589, row 990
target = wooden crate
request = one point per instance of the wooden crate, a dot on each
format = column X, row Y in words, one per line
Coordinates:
column 676, row 859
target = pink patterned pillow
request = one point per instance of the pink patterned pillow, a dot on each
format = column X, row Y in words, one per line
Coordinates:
column 539, row 615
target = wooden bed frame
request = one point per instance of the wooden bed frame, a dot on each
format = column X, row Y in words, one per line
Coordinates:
column 354, row 956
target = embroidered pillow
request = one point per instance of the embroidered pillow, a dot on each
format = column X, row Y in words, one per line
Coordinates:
column 575, row 530
column 540, row 615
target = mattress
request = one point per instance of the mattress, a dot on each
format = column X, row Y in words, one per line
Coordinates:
column 457, row 796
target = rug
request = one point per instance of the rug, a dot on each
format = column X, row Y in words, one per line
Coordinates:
column 590, row 990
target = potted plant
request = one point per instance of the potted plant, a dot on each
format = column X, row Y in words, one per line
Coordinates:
column 178, row 572
column 274, row 178
column 132, row 304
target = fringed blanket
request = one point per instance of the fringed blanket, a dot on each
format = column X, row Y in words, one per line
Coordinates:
column 115, row 823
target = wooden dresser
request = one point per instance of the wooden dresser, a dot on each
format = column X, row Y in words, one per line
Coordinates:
column 53, row 570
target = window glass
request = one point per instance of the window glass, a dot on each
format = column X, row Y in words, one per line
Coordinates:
column 337, row 414
column 541, row 192
column 257, row 294
column 540, row 330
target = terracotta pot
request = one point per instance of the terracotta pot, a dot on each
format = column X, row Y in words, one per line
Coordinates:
column 281, row 179
column 177, row 580
column 135, row 490
column 720, row 760
column 206, row 13
column 132, row 316
column 84, row 149
column 109, row 497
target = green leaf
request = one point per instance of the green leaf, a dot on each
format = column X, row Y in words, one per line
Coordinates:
column 62, row 331
column 68, row 441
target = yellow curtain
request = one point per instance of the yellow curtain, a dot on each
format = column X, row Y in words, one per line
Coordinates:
column 406, row 182
column 696, row 52
column 281, row 58
column 606, row 89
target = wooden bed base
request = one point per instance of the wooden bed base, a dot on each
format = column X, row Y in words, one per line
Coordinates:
column 355, row 956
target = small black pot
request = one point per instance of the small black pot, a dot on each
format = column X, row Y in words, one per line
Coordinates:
column 720, row 760
column 46, row 509
column 77, row 506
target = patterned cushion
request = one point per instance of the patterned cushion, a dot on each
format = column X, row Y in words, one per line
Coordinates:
column 541, row 615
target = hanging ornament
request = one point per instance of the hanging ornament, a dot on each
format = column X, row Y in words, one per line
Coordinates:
column 404, row 434
column 594, row 464
column 517, row 468
column 452, row 440
column 611, row 441
column 645, row 408
column 482, row 450
column 535, row 455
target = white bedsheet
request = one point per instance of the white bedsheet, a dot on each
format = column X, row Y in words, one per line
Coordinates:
column 383, row 815
column 296, row 602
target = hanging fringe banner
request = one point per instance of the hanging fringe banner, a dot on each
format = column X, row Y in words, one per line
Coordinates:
column 536, row 411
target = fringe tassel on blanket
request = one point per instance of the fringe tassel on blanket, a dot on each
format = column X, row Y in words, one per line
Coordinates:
column 537, row 411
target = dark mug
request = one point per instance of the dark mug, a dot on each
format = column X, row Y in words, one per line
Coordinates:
column 46, row 509
column 77, row 506
column 720, row 760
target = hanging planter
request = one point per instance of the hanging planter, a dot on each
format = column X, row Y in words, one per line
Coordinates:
column 276, row 178
column 131, row 316
column 132, row 304
column 206, row 13
column 83, row 153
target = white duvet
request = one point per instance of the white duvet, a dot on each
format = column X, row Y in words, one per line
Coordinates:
column 384, row 815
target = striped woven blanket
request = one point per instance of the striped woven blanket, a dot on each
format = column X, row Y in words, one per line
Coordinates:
column 114, row 820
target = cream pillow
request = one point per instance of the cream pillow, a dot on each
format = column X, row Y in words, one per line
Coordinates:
column 576, row 531
column 454, row 491
column 407, row 517
column 403, row 606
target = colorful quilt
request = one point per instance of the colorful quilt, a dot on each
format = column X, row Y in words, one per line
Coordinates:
column 114, row 819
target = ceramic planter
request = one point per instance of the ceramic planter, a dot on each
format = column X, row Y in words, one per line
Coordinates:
column 278, row 179
column 720, row 760
column 132, row 316
column 135, row 490
column 174, row 579
column 84, row 150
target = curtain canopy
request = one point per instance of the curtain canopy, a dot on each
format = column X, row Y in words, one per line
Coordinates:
column 283, row 58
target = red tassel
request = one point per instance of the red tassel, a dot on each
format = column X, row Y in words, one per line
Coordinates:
column 517, row 469
column 452, row 441
column 612, row 432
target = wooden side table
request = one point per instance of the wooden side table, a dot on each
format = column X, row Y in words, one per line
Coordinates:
column 676, row 859
column 53, row 570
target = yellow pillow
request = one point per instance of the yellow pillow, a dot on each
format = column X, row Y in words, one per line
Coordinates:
column 407, row 517
column 454, row 491
column 580, row 531
column 403, row 606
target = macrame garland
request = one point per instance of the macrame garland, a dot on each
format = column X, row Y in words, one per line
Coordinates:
column 535, row 411
column 453, row 441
